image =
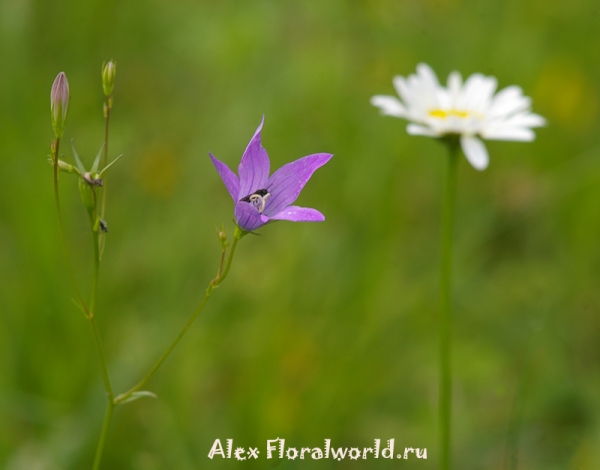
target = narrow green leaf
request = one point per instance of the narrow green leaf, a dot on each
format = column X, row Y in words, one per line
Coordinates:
column 137, row 395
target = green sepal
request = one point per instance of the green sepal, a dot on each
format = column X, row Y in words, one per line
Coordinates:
column 96, row 164
column 108, row 166
column 77, row 159
column 239, row 232
column 93, row 175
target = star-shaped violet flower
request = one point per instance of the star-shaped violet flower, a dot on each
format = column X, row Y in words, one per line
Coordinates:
column 260, row 199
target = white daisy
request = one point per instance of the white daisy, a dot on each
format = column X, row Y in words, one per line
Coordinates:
column 469, row 110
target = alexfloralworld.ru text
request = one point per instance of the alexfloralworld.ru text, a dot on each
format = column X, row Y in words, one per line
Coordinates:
column 277, row 448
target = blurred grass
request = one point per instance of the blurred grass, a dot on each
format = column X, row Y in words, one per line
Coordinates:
column 322, row 330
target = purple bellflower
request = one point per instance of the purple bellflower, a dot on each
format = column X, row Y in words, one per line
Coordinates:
column 260, row 199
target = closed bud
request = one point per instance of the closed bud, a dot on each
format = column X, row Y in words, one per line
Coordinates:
column 222, row 236
column 59, row 104
column 108, row 78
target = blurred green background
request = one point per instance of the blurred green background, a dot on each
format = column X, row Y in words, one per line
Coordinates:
column 321, row 330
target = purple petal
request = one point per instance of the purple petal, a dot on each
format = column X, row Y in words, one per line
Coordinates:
column 229, row 177
column 299, row 214
column 254, row 167
column 248, row 217
column 287, row 182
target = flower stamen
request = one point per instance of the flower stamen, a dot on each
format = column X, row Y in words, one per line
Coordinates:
column 258, row 199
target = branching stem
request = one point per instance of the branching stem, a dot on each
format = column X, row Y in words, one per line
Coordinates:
column 221, row 275
column 55, row 149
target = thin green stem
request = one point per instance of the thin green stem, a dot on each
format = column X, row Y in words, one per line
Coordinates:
column 445, row 392
column 96, row 333
column 55, row 148
column 110, row 408
column 106, row 125
column 97, row 341
column 102, row 237
column 103, row 364
column 95, row 276
column 88, row 311
column 92, row 312
column 221, row 275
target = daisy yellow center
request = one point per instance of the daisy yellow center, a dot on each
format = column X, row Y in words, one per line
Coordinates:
column 445, row 113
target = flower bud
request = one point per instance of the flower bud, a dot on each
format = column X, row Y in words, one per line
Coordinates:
column 108, row 77
column 59, row 104
column 222, row 236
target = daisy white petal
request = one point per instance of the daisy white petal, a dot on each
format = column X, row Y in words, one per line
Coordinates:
column 475, row 151
column 403, row 89
column 428, row 76
column 453, row 91
column 508, row 101
column 389, row 105
column 416, row 129
column 454, row 83
column 525, row 119
column 522, row 134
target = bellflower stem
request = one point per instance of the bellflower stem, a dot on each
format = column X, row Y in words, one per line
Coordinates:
column 107, row 107
column 103, row 366
column 106, row 126
column 221, row 275
column 103, row 363
column 93, row 325
column 55, row 147
column 88, row 311
column 110, row 408
column 445, row 393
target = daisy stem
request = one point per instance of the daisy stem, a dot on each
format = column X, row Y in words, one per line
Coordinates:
column 221, row 275
column 445, row 392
